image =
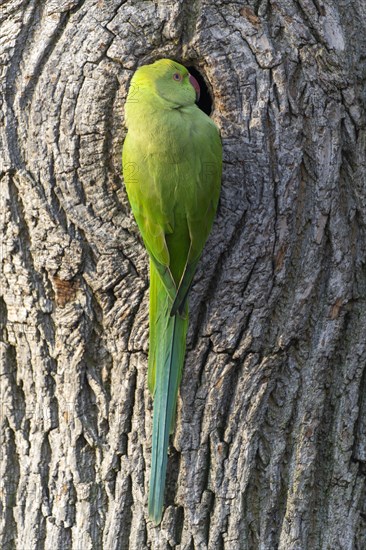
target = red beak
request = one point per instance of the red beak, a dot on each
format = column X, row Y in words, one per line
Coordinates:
column 195, row 85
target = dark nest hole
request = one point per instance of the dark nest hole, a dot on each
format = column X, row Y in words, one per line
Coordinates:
column 205, row 100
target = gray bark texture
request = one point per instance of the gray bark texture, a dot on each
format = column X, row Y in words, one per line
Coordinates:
column 270, row 444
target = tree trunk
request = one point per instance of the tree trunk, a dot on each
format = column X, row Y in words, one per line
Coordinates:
column 270, row 443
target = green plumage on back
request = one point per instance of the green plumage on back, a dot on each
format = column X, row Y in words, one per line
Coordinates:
column 172, row 171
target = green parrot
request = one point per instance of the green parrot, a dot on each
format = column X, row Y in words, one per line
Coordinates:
column 172, row 162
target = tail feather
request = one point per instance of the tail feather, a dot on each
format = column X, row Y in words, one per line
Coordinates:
column 165, row 369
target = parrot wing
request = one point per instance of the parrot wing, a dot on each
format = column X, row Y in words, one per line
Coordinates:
column 143, row 194
column 205, row 173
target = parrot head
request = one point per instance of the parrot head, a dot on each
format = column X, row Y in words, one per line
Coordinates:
column 169, row 80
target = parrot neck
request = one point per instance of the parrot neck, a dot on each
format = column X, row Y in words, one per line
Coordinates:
column 146, row 109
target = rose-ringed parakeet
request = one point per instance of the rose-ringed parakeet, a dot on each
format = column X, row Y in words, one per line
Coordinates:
column 172, row 159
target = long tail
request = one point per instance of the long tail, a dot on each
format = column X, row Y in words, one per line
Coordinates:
column 166, row 357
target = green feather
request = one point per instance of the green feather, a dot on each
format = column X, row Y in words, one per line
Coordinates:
column 172, row 171
column 166, row 359
column 184, row 286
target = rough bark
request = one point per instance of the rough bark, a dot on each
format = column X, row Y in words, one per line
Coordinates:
column 270, row 445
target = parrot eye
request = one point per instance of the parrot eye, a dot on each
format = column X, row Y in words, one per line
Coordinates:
column 177, row 76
